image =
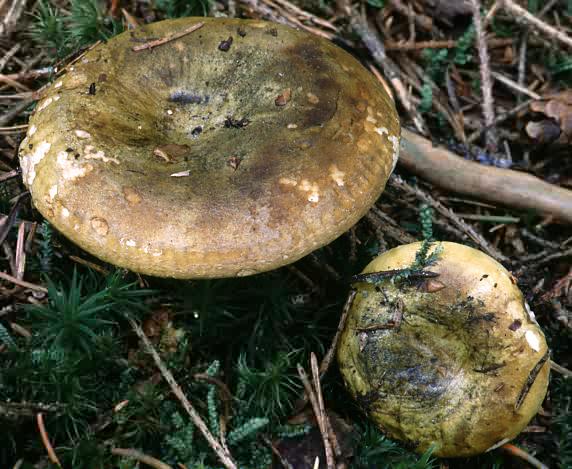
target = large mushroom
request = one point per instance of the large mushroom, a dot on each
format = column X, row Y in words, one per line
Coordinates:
column 456, row 361
column 209, row 147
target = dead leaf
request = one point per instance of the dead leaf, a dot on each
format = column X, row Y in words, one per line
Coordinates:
column 556, row 127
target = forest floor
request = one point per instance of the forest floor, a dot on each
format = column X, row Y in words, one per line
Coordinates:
column 78, row 388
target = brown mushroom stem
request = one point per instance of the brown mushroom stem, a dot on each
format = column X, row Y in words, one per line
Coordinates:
column 501, row 186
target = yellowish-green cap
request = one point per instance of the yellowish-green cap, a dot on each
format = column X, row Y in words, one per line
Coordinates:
column 457, row 362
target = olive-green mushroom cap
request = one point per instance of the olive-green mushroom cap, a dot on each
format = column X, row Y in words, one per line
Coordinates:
column 457, row 361
column 231, row 150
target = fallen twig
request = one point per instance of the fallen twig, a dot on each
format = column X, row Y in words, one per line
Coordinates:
column 22, row 283
column 311, row 393
column 560, row 369
column 53, row 457
column 222, row 454
column 141, row 457
column 323, row 414
column 519, row 453
column 376, row 48
column 486, row 82
column 326, row 361
column 11, row 17
column 499, row 186
column 168, row 38
column 422, row 195
column 522, row 15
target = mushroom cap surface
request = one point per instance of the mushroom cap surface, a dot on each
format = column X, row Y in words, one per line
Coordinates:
column 232, row 150
column 465, row 365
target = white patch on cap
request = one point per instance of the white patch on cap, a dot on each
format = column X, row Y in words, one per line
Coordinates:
column 53, row 192
column 312, row 188
column 533, row 340
column 82, row 133
column 128, row 242
column 181, row 174
column 65, row 212
column 57, row 97
column 91, row 154
column 32, row 130
column 69, row 168
column 44, row 104
column 58, row 84
column 314, row 197
column 394, row 141
column 28, row 162
column 337, row 175
column 371, row 119
column 287, row 181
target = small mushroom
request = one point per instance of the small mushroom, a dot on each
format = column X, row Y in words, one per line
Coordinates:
column 463, row 367
column 141, row 173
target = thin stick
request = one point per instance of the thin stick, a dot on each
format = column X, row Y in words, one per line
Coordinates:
column 316, row 408
column 522, row 63
column 560, row 369
column 500, row 118
column 141, row 457
column 486, row 82
column 396, row 181
column 523, row 15
column 11, row 17
column 170, row 37
column 224, row 457
column 389, row 226
column 285, row 463
column 20, row 257
column 444, row 44
column 334, row 345
column 91, row 265
column 46, row 441
column 22, row 283
column 15, row 111
column 323, row 414
column 515, row 86
column 519, row 453
column 8, row 56
column 377, row 50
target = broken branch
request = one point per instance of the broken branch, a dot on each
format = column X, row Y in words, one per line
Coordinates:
column 500, row 186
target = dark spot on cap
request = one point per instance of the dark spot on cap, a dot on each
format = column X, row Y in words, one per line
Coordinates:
column 283, row 98
column 91, row 91
column 515, row 325
column 224, row 46
column 234, row 162
column 185, row 97
column 241, row 31
column 232, row 123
